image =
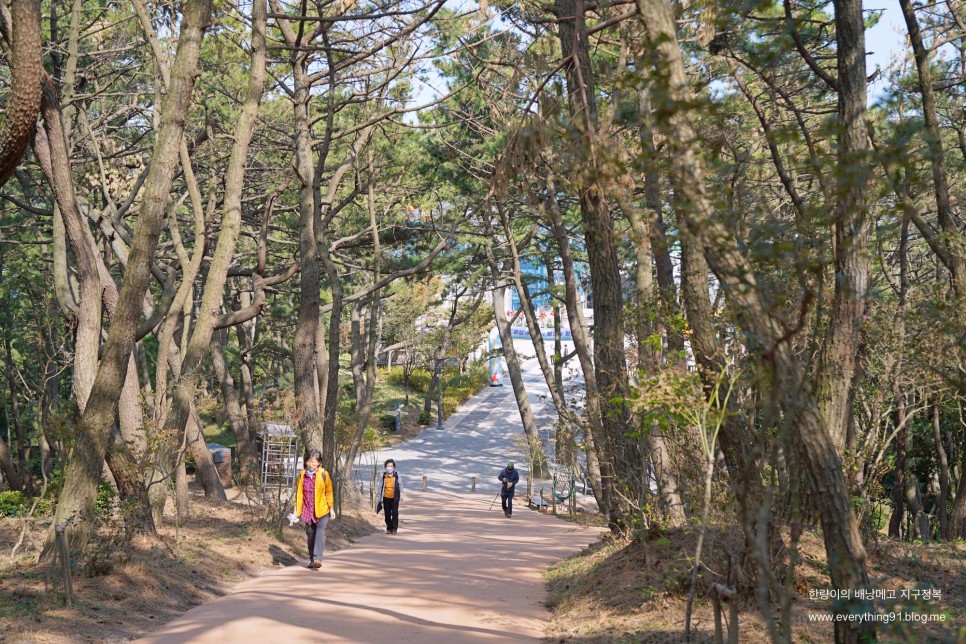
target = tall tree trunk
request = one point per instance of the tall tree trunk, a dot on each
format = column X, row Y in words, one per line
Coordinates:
column 213, row 293
column 843, row 543
column 96, row 285
column 558, row 347
column 247, row 456
column 50, row 147
column 364, row 371
column 609, row 359
column 527, row 418
column 598, row 465
column 899, row 487
column 13, row 413
column 850, row 227
column 920, row 519
column 244, row 334
column 83, row 471
column 440, row 355
column 10, row 474
column 650, row 359
column 957, row 518
column 324, row 204
column 533, row 326
column 366, row 379
column 331, row 396
column 304, row 348
column 656, row 228
column 740, row 451
column 942, row 511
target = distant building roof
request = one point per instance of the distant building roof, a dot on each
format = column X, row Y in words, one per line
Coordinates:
column 277, row 429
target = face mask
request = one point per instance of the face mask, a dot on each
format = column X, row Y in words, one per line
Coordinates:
column 390, row 468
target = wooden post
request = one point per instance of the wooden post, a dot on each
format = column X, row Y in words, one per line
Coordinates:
column 733, row 621
column 424, row 483
column 64, row 563
column 472, row 484
column 728, row 593
column 718, row 633
column 337, row 484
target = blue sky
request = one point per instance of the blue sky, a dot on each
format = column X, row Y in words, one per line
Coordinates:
column 886, row 40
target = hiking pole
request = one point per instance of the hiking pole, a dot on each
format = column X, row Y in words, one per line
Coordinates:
column 494, row 500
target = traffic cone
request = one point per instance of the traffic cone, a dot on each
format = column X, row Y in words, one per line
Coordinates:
column 495, row 380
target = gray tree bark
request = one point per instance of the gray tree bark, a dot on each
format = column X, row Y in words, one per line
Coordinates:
column 843, row 542
column 623, row 453
column 942, row 511
column 213, row 293
column 93, row 432
column 850, row 227
column 597, row 463
column 236, row 417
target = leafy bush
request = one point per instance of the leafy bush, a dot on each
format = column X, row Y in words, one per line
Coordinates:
column 106, row 496
column 419, row 380
column 395, row 376
column 425, row 418
column 12, row 503
column 450, row 404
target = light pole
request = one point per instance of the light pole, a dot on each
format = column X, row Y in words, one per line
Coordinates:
column 438, row 369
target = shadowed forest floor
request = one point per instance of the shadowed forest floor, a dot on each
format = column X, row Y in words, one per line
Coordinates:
column 611, row 592
column 127, row 592
column 634, row 592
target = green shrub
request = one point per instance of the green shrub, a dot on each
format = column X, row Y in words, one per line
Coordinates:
column 450, row 403
column 425, row 418
column 104, row 503
column 12, row 503
column 419, row 380
column 395, row 376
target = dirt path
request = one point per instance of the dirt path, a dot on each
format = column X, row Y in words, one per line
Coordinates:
column 455, row 572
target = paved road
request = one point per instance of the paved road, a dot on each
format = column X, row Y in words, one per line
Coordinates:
column 457, row 571
column 477, row 441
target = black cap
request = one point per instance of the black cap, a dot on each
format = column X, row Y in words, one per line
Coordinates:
column 509, row 466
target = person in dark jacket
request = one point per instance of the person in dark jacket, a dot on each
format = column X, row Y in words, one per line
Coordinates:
column 391, row 496
column 509, row 477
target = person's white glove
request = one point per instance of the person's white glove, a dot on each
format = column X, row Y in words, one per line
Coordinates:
column 292, row 519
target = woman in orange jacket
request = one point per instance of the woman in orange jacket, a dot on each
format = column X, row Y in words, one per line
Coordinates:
column 314, row 505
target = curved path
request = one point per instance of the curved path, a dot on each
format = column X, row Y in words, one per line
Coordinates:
column 457, row 570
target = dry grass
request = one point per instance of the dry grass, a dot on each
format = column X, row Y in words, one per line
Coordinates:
column 153, row 579
column 617, row 591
